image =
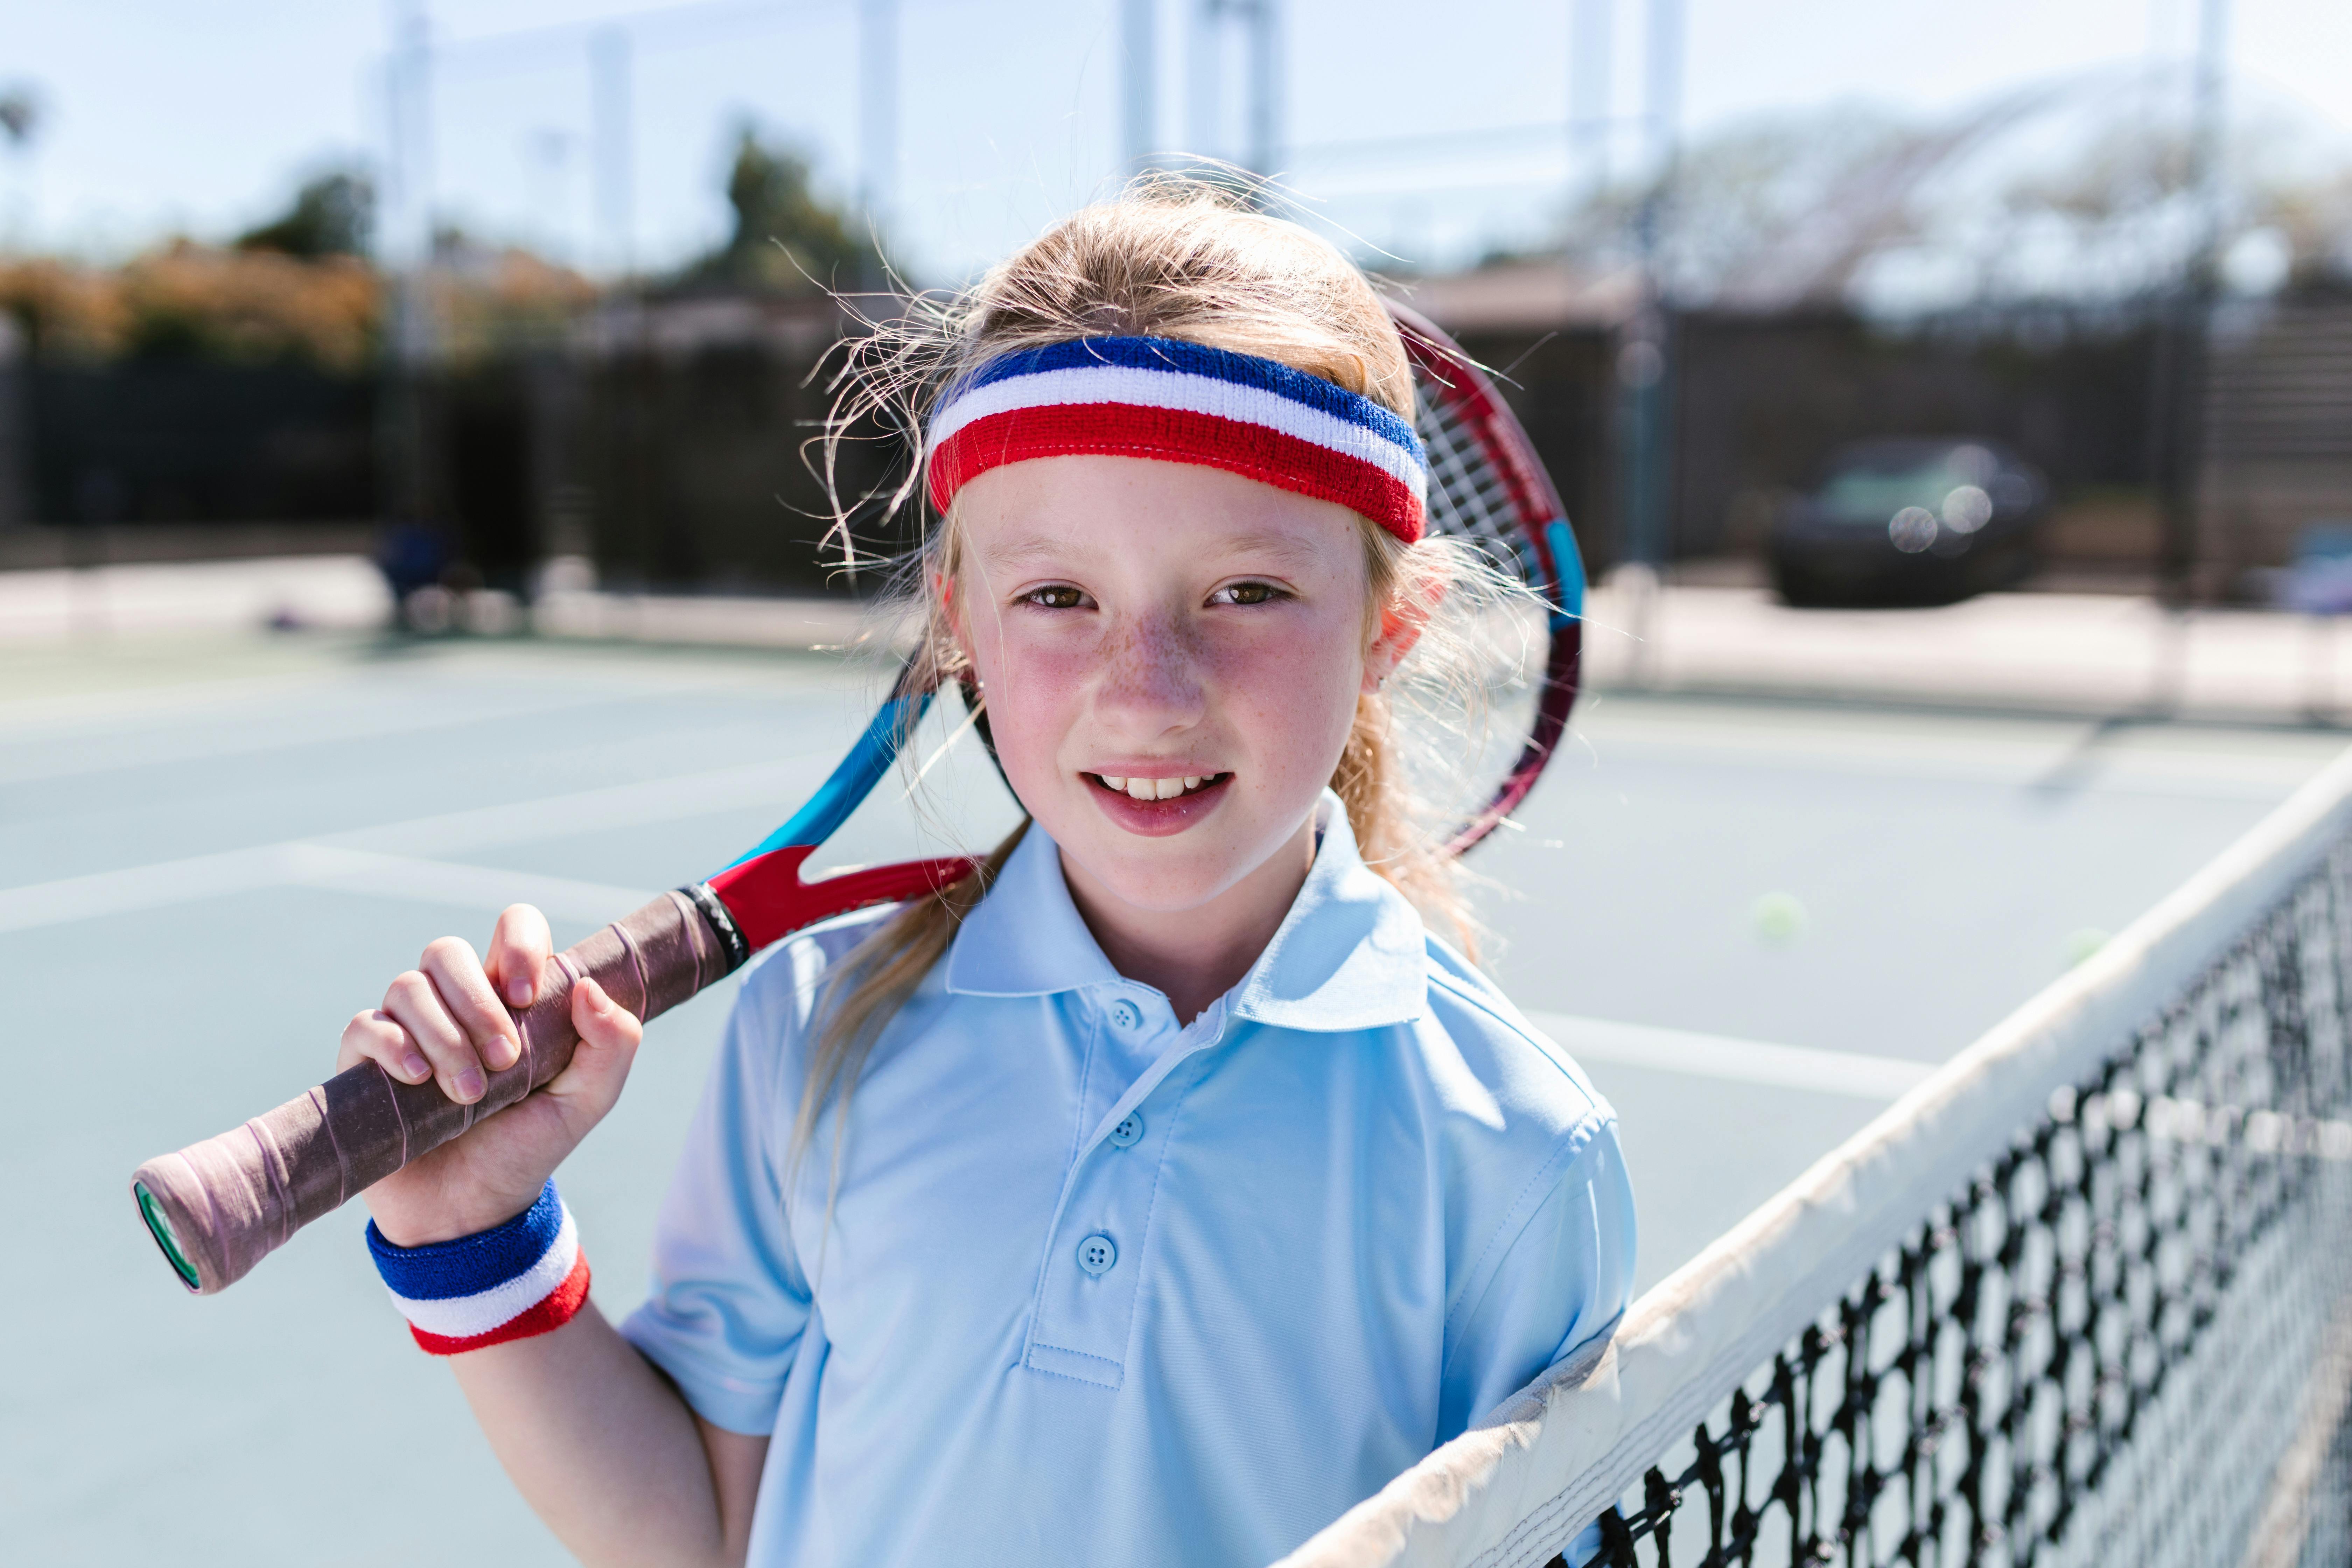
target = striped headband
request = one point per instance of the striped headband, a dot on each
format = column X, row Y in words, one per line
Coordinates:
column 1181, row 403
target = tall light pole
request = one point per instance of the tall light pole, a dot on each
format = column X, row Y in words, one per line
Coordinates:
column 406, row 244
column 612, row 142
column 407, row 230
column 1139, row 77
column 1203, row 44
column 1644, row 355
column 20, row 122
column 1642, row 360
column 20, row 119
column 878, row 112
column 1590, row 70
column 1264, row 156
column 2181, row 424
column 1263, row 123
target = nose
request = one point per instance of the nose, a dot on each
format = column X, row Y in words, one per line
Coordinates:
column 1151, row 682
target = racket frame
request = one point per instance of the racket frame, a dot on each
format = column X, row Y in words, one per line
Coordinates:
column 760, row 898
column 1544, row 534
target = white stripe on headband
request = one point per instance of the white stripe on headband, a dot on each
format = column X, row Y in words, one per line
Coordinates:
column 1188, row 393
column 1172, row 401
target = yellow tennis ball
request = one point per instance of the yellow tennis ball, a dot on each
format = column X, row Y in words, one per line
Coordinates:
column 1779, row 918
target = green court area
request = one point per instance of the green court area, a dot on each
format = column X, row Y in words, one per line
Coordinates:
column 1754, row 923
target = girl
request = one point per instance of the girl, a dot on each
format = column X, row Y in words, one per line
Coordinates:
column 1168, row 1187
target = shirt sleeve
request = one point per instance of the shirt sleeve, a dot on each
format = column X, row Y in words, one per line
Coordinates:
column 729, row 1302
column 1563, row 1279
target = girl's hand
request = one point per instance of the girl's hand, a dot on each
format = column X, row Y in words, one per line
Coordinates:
column 443, row 1021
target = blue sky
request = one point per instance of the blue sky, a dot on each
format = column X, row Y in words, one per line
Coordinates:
column 168, row 117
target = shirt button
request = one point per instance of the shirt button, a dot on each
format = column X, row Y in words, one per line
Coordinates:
column 1127, row 1132
column 1125, row 1015
column 1097, row 1254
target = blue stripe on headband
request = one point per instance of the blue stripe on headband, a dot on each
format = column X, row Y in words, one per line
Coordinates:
column 1195, row 359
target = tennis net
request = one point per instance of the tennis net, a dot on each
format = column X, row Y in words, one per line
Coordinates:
column 2083, row 1297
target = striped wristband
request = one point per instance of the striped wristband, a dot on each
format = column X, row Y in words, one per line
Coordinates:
column 509, row 1282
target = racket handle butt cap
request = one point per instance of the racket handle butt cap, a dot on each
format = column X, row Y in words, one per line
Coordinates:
column 176, row 1230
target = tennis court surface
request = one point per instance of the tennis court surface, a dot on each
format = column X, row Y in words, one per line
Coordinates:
column 1759, row 924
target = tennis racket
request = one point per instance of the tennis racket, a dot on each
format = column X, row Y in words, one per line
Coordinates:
column 217, row 1208
column 1487, row 487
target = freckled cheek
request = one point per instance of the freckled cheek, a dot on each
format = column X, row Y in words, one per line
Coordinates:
column 1036, row 695
column 1290, row 698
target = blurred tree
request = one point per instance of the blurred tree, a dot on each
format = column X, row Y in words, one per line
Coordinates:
column 2070, row 192
column 2315, row 221
column 331, row 215
column 184, row 300
column 1776, row 209
column 787, row 239
column 20, row 114
column 1771, row 207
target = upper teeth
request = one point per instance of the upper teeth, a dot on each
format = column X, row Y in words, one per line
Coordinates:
column 1155, row 789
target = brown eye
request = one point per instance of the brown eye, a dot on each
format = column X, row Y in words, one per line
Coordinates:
column 1245, row 594
column 1060, row 597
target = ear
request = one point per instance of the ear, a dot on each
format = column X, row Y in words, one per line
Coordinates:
column 943, row 587
column 1402, row 620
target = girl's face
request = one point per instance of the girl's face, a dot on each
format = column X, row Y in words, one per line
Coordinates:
column 1172, row 657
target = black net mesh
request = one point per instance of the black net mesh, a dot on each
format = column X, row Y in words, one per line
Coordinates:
column 2127, row 1340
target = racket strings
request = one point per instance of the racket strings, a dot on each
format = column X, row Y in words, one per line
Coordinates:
column 1459, row 722
column 1469, row 497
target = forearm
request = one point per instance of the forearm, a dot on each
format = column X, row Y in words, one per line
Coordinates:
column 608, row 1453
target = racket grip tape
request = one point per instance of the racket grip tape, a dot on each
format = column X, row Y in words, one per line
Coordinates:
column 218, row 1208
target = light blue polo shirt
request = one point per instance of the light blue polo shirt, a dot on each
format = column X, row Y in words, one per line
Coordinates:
column 1103, row 1289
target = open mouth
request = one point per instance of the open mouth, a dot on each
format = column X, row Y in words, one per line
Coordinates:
column 1158, row 789
column 1157, row 807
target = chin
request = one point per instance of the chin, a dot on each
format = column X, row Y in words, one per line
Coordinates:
column 1160, row 871
column 1158, row 877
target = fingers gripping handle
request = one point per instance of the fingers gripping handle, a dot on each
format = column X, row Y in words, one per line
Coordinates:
column 220, row 1207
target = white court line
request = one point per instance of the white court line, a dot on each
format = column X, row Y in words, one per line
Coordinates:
column 2265, row 780
column 1847, row 1073
column 301, row 864
column 300, row 861
column 77, row 714
column 202, row 726
column 103, row 893
column 467, row 887
column 772, row 784
column 261, row 733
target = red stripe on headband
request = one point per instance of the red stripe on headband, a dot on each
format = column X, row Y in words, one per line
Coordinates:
column 1174, row 435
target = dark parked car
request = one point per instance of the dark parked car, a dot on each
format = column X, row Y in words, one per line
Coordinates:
column 1912, row 522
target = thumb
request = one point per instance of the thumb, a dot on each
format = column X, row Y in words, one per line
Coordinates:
column 609, row 1034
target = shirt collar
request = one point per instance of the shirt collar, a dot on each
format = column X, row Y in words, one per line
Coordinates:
column 1349, row 955
column 1026, row 938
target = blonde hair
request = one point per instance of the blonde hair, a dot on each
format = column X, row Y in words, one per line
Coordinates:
column 1172, row 258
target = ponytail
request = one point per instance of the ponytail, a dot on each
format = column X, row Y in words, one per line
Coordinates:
column 869, row 985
